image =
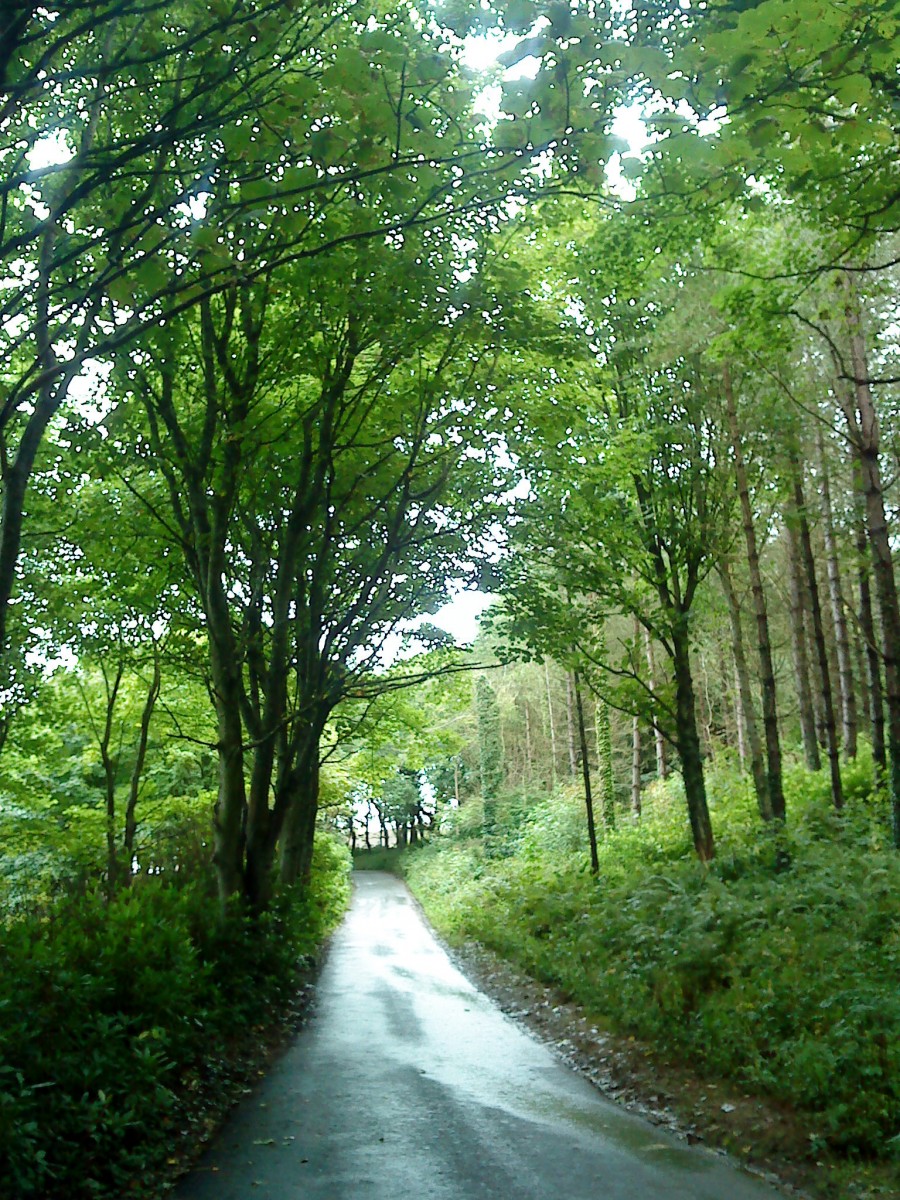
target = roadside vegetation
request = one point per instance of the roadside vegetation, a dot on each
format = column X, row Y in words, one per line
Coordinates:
column 774, row 967
column 126, row 1022
column 780, row 979
column 306, row 326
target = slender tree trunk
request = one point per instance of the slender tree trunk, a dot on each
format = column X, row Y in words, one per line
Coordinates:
column 886, row 588
column 662, row 765
column 861, row 674
column 112, row 855
column 864, row 424
column 570, row 726
column 636, row 741
column 552, row 724
column 15, row 482
column 138, row 769
column 740, row 725
column 870, row 650
column 603, row 735
column 689, row 742
column 586, row 774
column 109, row 764
column 529, row 774
column 53, row 380
column 849, row 718
column 112, row 848
column 818, row 688
column 809, row 565
column 764, row 646
column 746, row 714
column 636, row 765
column 798, row 647
column 730, row 700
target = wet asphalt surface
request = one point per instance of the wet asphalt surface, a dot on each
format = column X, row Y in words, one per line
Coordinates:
column 408, row 1084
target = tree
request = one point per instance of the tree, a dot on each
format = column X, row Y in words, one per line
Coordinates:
column 155, row 158
column 627, row 479
column 323, row 466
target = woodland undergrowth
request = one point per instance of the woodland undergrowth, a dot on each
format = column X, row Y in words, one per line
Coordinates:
column 775, row 967
column 118, row 1017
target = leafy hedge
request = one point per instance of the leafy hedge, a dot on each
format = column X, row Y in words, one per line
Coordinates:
column 112, row 1015
column 785, row 980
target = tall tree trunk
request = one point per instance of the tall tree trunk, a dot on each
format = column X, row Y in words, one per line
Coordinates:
column 746, row 714
column 302, row 807
column 730, row 701
column 636, row 748
column 138, row 768
column 849, row 718
column 809, row 565
column 108, row 762
column 552, row 724
column 636, row 765
column 870, row 649
column 662, row 765
column 529, row 772
column 764, row 646
column 53, row 379
column 861, row 674
column 231, row 800
column 689, row 742
column 867, row 437
column 799, row 653
column 818, row 688
column 586, row 774
column 570, row 726
column 603, row 735
column 740, row 725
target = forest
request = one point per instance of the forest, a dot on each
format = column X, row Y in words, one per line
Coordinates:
column 317, row 315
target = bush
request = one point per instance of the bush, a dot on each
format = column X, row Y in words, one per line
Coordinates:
column 111, row 1013
column 784, row 980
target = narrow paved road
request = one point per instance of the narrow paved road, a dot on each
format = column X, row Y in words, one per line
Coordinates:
column 409, row 1083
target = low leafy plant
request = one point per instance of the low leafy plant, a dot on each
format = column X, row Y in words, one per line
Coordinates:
column 111, row 1013
column 782, row 979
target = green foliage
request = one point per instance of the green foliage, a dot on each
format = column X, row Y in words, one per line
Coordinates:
column 113, row 1015
column 490, row 749
column 784, row 980
column 378, row 859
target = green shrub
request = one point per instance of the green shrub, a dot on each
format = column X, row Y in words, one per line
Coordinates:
column 110, row 1013
column 782, row 979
